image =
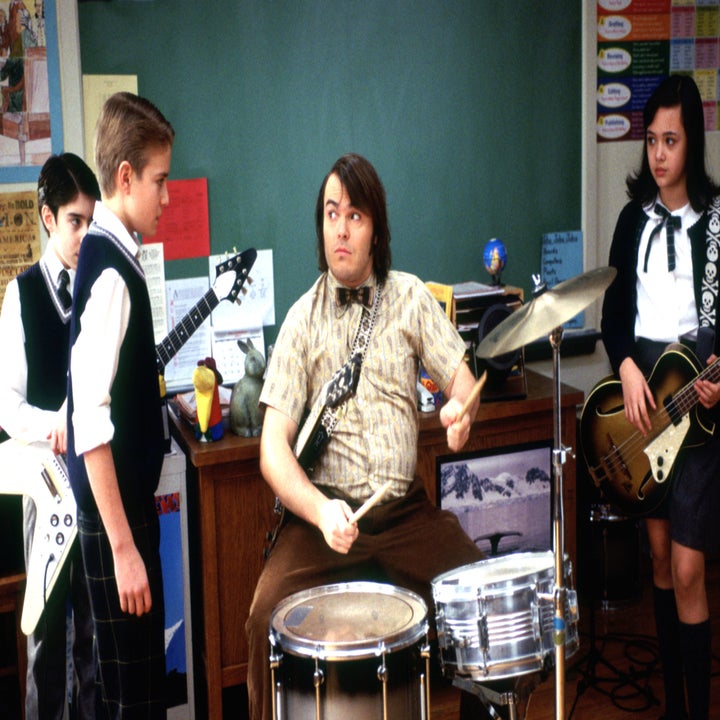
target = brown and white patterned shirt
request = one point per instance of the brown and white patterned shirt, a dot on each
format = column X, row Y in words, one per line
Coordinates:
column 375, row 439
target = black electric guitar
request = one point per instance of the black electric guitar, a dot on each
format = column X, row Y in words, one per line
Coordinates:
column 317, row 427
column 635, row 471
column 230, row 278
column 32, row 469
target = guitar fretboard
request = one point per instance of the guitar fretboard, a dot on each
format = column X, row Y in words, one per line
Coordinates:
column 686, row 398
column 180, row 334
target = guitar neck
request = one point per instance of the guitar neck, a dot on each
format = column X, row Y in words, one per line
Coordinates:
column 182, row 332
column 686, row 398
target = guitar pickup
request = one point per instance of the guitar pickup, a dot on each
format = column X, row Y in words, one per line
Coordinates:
column 49, row 473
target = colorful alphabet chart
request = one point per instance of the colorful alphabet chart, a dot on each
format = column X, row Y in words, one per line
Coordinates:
column 640, row 42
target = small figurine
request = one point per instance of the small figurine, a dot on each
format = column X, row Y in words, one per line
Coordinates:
column 206, row 381
column 246, row 416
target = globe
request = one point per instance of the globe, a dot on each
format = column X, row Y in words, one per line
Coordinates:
column 495, row 257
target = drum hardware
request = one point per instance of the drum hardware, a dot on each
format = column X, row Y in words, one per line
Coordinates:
column 511, row 700
column 545, row 315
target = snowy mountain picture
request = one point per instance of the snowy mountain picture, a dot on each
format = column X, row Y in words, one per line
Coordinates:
column 502, row 500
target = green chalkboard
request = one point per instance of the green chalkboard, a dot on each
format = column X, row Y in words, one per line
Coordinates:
column 469, row 109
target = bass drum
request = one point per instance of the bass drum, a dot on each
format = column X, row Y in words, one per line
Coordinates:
column 353, row 650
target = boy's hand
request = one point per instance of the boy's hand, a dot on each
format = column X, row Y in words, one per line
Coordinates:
column 132, row 582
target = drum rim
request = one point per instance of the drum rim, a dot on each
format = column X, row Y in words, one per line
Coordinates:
column 515, row 558
column 398, row 640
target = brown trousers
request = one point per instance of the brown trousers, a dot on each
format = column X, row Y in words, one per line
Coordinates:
column 406, row 542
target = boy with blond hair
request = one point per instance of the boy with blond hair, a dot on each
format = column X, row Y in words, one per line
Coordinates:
column 115, row 430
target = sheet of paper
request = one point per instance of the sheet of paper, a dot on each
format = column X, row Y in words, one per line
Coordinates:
column 229, row 358
column 257, row 306
column 181, row 297
column 562, row 259
column 153, row 264
column 184, row 227
column 96, row 90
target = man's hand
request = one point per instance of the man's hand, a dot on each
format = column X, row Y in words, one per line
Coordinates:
column 457, row 432
column 338, row 532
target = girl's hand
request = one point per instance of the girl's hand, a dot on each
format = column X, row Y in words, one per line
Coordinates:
column 636, row 396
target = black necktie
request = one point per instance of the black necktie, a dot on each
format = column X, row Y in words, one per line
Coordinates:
column 62, row 291
column 670, row 223
column 362, row 295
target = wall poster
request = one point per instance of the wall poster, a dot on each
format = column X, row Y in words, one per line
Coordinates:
column 19, row 235
column 640, row 42
column 30, row 109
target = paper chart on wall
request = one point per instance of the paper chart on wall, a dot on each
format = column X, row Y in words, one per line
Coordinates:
column 181, row 296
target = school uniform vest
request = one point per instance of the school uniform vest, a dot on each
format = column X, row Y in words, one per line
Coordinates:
column 137, row 445
column 47, row 338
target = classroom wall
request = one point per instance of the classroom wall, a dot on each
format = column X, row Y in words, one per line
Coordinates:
column 470, row 111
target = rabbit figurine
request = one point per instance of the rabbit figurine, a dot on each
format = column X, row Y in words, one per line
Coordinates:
column 245, row 413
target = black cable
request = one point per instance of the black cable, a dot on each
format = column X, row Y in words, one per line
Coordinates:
column 625, row 686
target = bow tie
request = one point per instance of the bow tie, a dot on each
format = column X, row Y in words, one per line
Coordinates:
column 62, row 290
column 362, row 295
column 670, row 223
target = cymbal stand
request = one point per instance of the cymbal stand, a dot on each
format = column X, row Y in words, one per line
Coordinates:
column 559, row 455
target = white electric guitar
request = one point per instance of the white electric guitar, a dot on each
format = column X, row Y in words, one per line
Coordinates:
column 32, row 469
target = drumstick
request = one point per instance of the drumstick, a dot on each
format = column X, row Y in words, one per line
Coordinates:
column 471, row 397
column 374, row 499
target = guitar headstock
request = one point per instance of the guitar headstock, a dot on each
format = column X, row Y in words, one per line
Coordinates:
column 232, row 273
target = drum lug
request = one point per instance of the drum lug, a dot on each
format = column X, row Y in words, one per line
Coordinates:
column 318, row 675
column 382, row 673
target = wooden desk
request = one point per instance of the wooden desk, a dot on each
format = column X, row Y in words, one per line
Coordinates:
column 232, row 509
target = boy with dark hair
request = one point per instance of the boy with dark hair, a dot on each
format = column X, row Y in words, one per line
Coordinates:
column 34, row 337
column 115, row 430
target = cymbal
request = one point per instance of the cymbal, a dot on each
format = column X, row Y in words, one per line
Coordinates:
column 546, row 312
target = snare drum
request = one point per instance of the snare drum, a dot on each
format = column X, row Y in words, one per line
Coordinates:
column 353, row 650
column 495, row 618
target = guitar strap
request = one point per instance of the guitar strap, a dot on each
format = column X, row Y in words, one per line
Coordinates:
column 329, row 416
column 710, row 280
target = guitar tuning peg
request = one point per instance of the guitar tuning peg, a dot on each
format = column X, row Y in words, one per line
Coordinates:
column 249, row 280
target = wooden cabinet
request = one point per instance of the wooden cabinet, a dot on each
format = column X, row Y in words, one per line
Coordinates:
column 231, row 511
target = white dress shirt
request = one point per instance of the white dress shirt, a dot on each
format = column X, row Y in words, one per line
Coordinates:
column 94, row 356
column 18, row 417
column 666, row 306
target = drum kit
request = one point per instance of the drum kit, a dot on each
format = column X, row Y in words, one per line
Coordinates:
column 361, row 650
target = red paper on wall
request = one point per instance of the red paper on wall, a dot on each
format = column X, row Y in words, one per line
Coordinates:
column 184, row 227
